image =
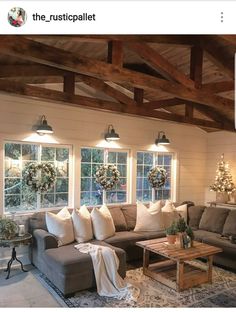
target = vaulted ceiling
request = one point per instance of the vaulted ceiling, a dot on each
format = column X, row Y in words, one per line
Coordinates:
column 179, row 78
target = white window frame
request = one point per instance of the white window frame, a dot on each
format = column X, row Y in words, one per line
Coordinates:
column 173, row 172
column 70, row 175
column 128, row 178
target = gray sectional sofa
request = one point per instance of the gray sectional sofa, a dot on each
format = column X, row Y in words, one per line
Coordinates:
column 71, row 271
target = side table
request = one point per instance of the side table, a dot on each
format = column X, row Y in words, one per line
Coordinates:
column 13, row 243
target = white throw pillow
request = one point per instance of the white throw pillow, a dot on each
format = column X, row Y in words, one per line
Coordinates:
column 61, row 226
column 155, row 206
column 149, row 219
column 82, row 223
column 103, row 225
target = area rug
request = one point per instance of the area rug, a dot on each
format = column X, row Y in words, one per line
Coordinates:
column 222, row 293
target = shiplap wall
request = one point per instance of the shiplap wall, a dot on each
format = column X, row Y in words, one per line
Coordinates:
column 218, row 143
column 84, row 127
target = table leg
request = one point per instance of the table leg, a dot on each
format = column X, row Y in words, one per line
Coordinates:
column 180, row 276
column 146, row 254
column 13, row 257
column 209, row 268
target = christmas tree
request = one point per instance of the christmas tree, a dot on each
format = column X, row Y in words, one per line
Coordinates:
column 223, row 180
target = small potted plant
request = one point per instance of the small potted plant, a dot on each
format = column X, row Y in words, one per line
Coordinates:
column 8, row 228
column 190, row 233
column 171, row 234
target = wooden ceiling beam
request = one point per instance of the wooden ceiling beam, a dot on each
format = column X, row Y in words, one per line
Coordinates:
column 159, row 63
column 218, row 87
column 216, row 51
column 69, row 83
column 115, row 53
column 138, row 96
column 106, row 89
column 86, row 102
column 163, row 103
column 46, row 55
column 163, row 39
column 29, row 70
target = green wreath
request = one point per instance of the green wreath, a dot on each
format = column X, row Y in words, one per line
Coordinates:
column 157, row 177
column 40, row 177
column 107, row 176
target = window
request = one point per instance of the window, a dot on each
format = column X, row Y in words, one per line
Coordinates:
column 145, row 162
column 17, row 195
column 91, row 192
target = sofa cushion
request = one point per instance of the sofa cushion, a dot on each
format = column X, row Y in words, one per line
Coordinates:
column 130, row 212
column 118, row 218
column 194, row 215
column 68, row 260
column 125, row 239
column 152, row 235
column 213, row 219
column 226, row 245
column 199, row 235
column 230, row 224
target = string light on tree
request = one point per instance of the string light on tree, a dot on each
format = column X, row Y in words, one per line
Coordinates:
column 223, row 180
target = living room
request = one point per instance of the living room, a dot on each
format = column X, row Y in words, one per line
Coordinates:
column 97, row 104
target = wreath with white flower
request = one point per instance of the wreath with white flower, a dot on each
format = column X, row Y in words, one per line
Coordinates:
column 157, row 177
column 107, row 176
column 40, row 177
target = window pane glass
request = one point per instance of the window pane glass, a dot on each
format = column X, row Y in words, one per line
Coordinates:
column 122, row 158
column 140, row 171
column 147, row 195
column 85, row 198
column 12, row 186
column 47, row 200
column 97, row 155
column 29, row 200
column 96, row 198
column 62, row 154
column 139, row 183
column 12, row 168
column 48, row 154
column 61, row 185
column 140, row 158
column 29, row 152
column 12, row 151
column 148, row 158
column 86, row 154
column 62, row 168
column 122, row 169
column 167, row 160
column 112, row 157
column 12, row 203
column 61, row 199
column 85, row 184
column 86, row 170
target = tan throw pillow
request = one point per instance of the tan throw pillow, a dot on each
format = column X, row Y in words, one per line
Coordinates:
column 82, row 224
column 168, row 214
column 148, row 219
column 103, row 225
column 172, row 213
column 182, row 211
column 61, row 226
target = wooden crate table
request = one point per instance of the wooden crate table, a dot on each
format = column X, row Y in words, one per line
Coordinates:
column 175, row 270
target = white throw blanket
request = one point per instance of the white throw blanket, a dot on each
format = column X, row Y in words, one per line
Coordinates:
column 105, row 264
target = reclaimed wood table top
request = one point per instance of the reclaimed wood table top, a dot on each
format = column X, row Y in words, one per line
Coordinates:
column 174, row 252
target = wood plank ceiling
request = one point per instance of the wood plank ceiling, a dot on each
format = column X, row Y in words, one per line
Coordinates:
column 184, row 79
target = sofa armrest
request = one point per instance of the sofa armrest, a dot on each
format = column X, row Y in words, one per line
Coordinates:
column 44, row 240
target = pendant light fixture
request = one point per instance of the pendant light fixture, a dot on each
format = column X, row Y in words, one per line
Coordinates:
column 162, row 139
column 111, row 135
column 43, row 127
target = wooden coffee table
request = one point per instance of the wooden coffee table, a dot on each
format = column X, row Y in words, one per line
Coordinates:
column 174, row 269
